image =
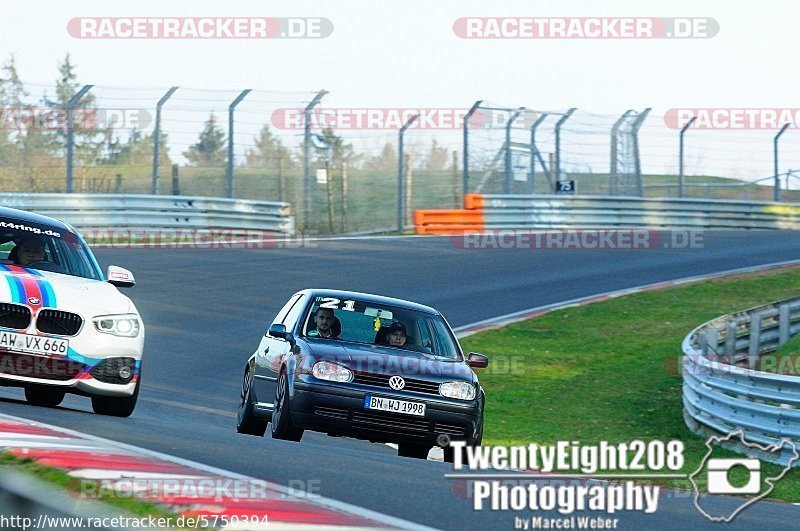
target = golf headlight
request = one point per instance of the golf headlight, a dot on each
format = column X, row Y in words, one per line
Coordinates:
column 459, row 390
column 118, row 325
column 333, row 372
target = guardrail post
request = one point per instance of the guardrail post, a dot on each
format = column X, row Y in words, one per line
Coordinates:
column 465, row 177
column 535, row 155
column 558, row 141
column 118, row 184
column 730, row 339
column 614, row 139
column 680, row 154
column 712, row 341
column 157, row 138
column 71, row 131
column 401, row 173
column 176, row 187
column 777, row 193
column 754, row 348
column 637, row 163
column 507, row 172
column 784, row 324
column 307, row 157
column 231, row 108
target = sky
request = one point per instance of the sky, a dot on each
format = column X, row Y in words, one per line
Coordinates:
column 406, row 54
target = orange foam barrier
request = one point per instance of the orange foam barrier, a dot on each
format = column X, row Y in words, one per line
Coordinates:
column 452, row 221
column 449, row 229
column 448, row 221
column 473, row 201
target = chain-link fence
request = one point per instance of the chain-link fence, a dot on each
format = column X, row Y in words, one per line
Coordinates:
column 341, row 168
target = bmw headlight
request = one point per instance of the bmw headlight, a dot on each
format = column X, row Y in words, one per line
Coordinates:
column 333, row 372
column 459, row 390
column 126, row 325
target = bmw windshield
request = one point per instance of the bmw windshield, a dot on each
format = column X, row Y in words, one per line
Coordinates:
column 382, row 325
column 44, row 248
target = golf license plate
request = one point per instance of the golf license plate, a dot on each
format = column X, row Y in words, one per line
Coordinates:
column 45, row 346
column 394, row 406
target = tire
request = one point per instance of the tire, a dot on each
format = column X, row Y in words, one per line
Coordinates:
column 415, row 451
column 41, row 395
column 282, row 427
column 117, row 406
column 246, row 421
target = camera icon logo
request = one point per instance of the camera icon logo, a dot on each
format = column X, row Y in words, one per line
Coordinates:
column 719, row 476
column 724, row 475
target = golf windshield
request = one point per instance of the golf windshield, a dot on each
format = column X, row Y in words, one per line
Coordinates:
column 377, row 324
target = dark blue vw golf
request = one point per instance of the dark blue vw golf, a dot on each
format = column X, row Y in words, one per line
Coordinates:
column 364, row 366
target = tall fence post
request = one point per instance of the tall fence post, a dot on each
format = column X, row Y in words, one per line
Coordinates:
column 409, row 186
column 231, row 108
column 680, row 155
column 344, row 198
column 465, row 166
column 777, row 193
column 307, row 157
column 637, row 162
column 401, row 172
column 157, row 138
column 563, row 119
column 535, row 155
column 508, row 162
column 71, row 131
column 455, row 181
column 613, row 166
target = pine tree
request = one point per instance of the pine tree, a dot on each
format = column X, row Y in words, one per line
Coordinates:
column 268, row 151
column 331, row 147
column 137, row 150
column 386, row 161
column 86, row 133
column 210, row 149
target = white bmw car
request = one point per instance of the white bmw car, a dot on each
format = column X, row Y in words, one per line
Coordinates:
column 64, row 327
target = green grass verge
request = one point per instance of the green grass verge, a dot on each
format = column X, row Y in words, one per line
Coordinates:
column 130, row 505
column 609, row 371
column 785, row 360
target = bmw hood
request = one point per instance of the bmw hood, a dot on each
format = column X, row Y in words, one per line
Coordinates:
column 43, row 289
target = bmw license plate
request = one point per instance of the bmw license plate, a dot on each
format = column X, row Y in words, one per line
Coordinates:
column 45, row 346
column 394, row 406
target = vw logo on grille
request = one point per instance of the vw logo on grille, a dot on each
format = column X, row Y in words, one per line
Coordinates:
column 396, row 383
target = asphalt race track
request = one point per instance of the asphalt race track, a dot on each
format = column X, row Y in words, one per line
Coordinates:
column 205, row 311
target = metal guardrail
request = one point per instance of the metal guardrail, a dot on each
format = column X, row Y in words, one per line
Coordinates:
column 156, row 211
column 722, row 390
column 495, row 212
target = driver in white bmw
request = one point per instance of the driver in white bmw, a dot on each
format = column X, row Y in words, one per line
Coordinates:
column 29, row 251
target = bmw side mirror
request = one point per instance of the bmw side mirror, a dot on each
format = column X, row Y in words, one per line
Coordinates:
column 119, row 277
column 279, row 331
column 477, row 361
